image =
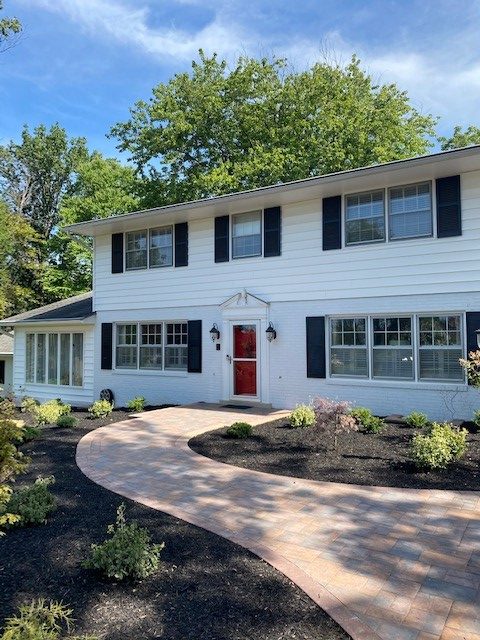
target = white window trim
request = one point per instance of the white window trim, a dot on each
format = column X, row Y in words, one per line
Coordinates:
column 404, row 186
column 148, row 232
column 364, row 242
column 47, row 348
column 417, row 382
column 143, row 371
column 241, row 213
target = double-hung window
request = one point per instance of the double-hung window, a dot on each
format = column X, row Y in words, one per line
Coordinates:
column 148, row 249
column 410, row 211
column 161, row 247
column 348, row 348
column 416, row 347
column 136, row 253
column 54, row 359
column 247, row 234
column 365, row 217
column 152, row 346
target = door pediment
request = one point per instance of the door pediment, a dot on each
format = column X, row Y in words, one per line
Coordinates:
column 244, row 300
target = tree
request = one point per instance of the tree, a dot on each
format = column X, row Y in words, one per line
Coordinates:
column 35, row 174
column 216, row 130
column 9, row 28
column 461, row 138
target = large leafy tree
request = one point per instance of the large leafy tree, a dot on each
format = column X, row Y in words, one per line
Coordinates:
column 216, row 129
column 461, row 138
column 9, row 28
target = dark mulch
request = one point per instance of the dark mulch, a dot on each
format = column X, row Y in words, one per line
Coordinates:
column 206, row 587
column 361, row 458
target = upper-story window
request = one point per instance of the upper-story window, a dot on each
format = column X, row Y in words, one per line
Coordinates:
column 247, row 234
column 410, row 211
column 364, row 217
column 149, row 249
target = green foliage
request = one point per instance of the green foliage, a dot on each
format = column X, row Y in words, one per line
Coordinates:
column 417, row 419
column 461, row 138
column 476, row 417
column 443, row 445
column 128, row 553
column 33, row 503
column 302, row 416
column 366, row 419
column 219, row 129
column 29, row 405
column 100, row 409
column 136, row 404
column 239, row 430
column 12, row 463
column 30, row 433
column 66, row 421
column 41, row 620
column 472, row 367
column 49, row 412
column 7, row 408
column 9, row 28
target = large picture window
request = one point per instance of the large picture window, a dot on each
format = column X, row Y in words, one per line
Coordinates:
column 364, row 217
column 152, row 346
column 247, row 235
column 410, row 211
column 415, row 347
column 54, row 359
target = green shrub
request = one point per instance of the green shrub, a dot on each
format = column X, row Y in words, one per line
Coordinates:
column 302, row 416
column 41, row 621
column 476, row 417
column 12, row 463
column 66, row 421
column 136, row 404
column 239, row 430
column 30, row 433
column 128, row 553
column 417, row 419
column 29, row 405
column 50, row 411
column 33, row 503
column 440, row 447
column 100, row 409
column 7, row 409
column 366, row 419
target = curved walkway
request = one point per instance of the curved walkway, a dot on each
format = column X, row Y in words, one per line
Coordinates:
column 389, row 564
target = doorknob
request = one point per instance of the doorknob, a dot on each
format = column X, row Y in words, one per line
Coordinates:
column 229, row 358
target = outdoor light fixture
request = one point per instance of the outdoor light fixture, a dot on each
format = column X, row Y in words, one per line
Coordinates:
column 214, row 332
column 271, row 333
column 478, row 337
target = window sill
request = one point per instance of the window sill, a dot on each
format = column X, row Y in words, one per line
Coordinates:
column 458, row 387
column 44, row 385
column 144, row 372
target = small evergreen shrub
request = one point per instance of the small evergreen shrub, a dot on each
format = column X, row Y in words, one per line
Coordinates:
column 34, row 503
column 29, row 405
column 40, row 620
column 240, row 430
column 12, row 463
column 128, row 553
column 302, row 416
column 417, row 419
column 443, row 445
column 7, row 409
column 366, row 419
column 49, row 412
column 30, row 433
column 100, row 409
column 66, row 421
column 136, row 404
column 476, row 417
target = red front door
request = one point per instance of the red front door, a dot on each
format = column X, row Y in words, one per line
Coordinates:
column 245, row 359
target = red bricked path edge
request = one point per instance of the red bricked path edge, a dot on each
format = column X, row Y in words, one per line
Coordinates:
column 385, row 563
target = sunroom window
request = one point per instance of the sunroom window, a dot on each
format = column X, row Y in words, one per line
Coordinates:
column 364, row 217
column 54, row 359
column 247, row 235
column 410, row 211
column 440, row 347
column 348, row 347
column 392, row 348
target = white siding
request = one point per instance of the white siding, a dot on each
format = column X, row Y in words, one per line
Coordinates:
column 7, row 387
column 72, row 395
column 303, row 271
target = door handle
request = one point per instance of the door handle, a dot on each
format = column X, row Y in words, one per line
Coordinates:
column 229, row 358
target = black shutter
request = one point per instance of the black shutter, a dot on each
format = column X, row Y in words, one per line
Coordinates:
column 449, row 207
column 332, row 223
column 181, row 244
column 222, row 233
column 272, row 232
column 316, row 363
column 2, row 371
column 473, row 323
column 194, row 346
column 106, row 353
column 117, row 253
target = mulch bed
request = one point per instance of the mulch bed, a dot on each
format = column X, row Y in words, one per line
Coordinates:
column 360, row 458
column 206, row 587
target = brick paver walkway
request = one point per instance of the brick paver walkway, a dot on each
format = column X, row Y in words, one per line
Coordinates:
column 386, row 563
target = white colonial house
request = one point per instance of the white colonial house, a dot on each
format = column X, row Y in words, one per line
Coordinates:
column 361, row 285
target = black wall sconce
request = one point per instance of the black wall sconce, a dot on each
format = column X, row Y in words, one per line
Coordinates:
column 214, row 332
column 271, row 333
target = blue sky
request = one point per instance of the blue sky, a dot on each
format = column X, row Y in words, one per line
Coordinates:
column 83, row 63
